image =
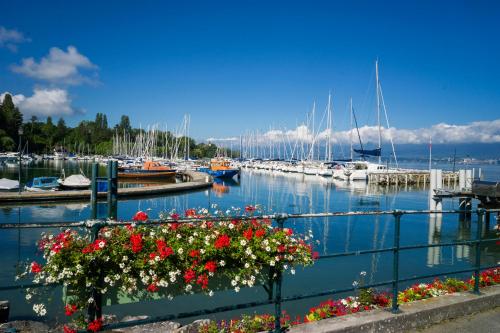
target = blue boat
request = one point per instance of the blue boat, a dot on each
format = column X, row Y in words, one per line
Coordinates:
column 42, row 184
column 220, row 168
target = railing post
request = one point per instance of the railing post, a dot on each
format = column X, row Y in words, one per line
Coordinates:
column 477, row 272
column 395, row 262
column 277, row 295
column 95, row 309
column 93, row 193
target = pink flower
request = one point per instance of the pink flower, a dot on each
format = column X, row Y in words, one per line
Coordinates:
column 68, row 329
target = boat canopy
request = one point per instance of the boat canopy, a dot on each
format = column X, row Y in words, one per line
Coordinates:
column 366, row 152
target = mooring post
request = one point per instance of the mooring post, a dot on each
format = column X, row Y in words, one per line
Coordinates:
column 477, row 272
column 395, row 263
column 277, row 295
column 93, row 193
column 112, row 189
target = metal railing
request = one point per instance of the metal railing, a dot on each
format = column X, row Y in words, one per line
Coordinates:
column 274, row 288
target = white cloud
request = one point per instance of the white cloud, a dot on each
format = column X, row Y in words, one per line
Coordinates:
column 10, row 38
column 59, row 66
column 44, row 102
column 477, row 132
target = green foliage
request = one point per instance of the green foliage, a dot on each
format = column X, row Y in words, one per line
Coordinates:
column 88, row 137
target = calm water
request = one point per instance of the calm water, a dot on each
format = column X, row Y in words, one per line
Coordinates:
column 276, row 192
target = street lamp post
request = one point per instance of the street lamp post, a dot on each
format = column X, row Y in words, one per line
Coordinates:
column 20, row 132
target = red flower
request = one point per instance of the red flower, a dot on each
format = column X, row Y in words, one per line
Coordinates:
column 36, row 267
column 194, row 253
column 163, row 249
column 99, row 244
column 211, row 266
column 289, row 231
column 69, row 309
column 68, row 329
column 249, row 209
column 189, row 275
column 281, row 248
column 248, row 233
column 202, row 280
column 95, row 325
column 259, row 233
column 222, row 241
column 88, row 249
column 190, row 212
column 136, row 241
column 315, row 255
column 140, row 216
column 152, row 288
column 174, row 216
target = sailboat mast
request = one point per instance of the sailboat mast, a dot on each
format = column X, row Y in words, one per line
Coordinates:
column 350, row 132
column 378, row 111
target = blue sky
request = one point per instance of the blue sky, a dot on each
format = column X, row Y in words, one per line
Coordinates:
column 246, row 65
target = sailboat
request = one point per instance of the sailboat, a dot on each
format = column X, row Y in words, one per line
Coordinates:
column 359, row 170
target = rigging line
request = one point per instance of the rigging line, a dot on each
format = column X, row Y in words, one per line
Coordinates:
column 359, row 136
column 388, row 126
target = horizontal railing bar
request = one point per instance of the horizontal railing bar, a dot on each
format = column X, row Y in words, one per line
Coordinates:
column 446, row 273
column 355, row 253
column 26, row 286
column 230, row 218
column 333, row 291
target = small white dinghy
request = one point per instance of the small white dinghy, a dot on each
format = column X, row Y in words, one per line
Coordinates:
column 8, row 184
column 78, row 181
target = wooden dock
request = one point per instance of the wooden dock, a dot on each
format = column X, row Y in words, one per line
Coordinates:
column 411, row 177
column 195, row 181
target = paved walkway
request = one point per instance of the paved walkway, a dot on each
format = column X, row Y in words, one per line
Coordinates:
column 483, row 322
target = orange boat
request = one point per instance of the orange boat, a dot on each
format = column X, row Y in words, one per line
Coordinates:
column 149, row 170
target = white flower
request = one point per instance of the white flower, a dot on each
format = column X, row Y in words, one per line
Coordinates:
column 180, row 250
column 28, row 296
column 268, row 249
column 234, row 283
column 237, row 289
column 179, row 236
column 247, row 265
column 222, row 263
column 202, row 251
column 355, row 284
column 272, row 263
column 292, row 271
column 231, row 226
column 211, row 293
column 90, row 300
column 363, row 273
column 189, row 287
column 243, row 242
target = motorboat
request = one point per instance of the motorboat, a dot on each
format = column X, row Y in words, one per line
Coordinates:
column 8, row 184
column 220, row 168
column 149, row 170
column 77, row 181
column 38, row 184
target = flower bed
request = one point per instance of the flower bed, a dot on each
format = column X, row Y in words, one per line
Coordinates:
column 367, row 300
column 187, row 257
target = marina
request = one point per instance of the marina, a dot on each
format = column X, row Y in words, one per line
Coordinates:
column 249, row 167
